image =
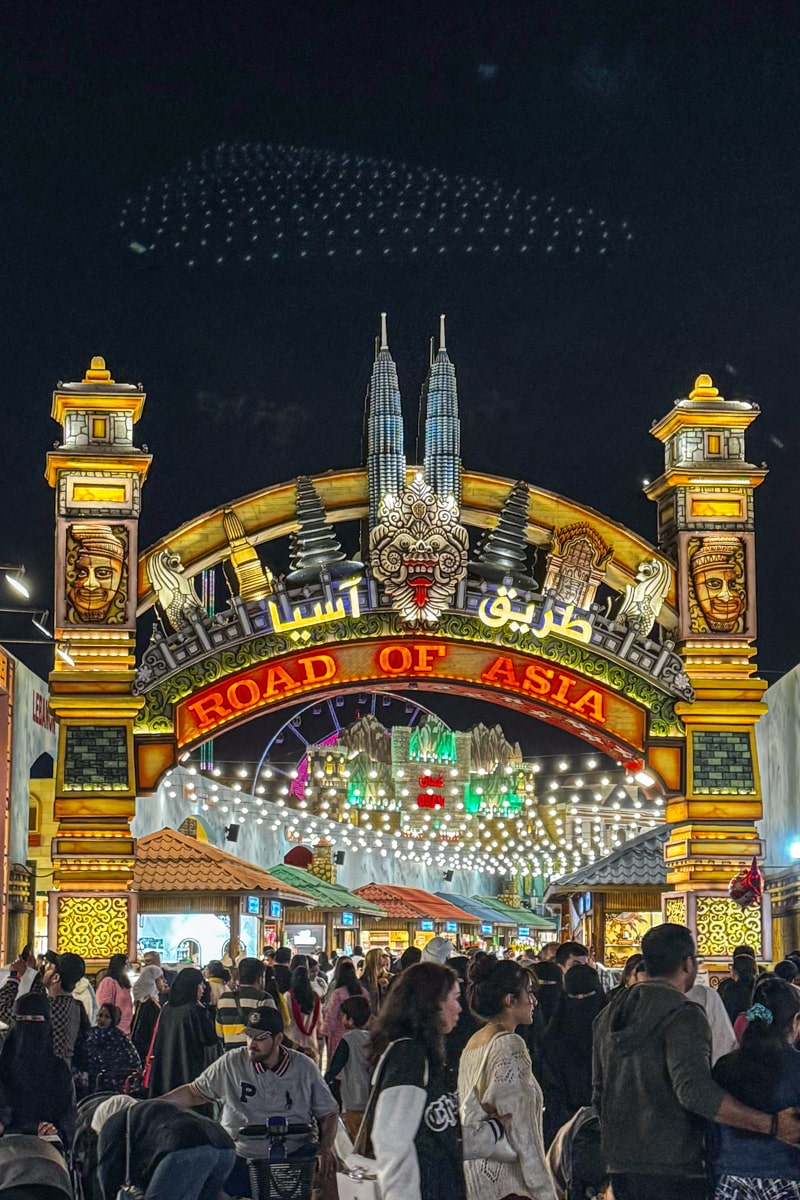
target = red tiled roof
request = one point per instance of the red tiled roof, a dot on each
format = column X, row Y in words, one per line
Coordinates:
column 168, row 861
column 412, row 904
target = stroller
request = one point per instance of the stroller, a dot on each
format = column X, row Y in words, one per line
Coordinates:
column 83, row 1156
column 30, row 1166
column 282, row 1175
column 575, row 1156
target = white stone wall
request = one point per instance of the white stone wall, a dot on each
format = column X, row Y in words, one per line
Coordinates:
column 778, row 741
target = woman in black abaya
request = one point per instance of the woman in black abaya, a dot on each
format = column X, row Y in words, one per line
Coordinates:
column 35, row 1084
column 184, row 1037
column 566, row 1076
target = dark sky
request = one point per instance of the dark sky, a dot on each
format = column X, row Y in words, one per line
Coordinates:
column 681, row 119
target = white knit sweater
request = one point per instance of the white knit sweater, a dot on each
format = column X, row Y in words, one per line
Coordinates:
column 507, row 1089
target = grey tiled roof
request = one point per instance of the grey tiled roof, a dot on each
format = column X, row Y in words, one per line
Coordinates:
column 639, row 863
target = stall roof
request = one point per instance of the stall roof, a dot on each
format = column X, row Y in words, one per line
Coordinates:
column 326, row 895
column 412, row 904
column 518, row 916
column 168, row 861
column 477, row 908
column 638, row 863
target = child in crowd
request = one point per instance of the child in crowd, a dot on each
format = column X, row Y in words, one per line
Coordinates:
column 350, row 1062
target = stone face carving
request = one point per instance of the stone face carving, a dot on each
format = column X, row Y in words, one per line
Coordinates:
column 644, row 599
column 418, row 551
column 176, row 596
column 96, row 567
column 576, row 564
column 717, row 584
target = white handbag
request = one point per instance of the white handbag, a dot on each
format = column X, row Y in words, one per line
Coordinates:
column 478, row 1138
column 359, row 1179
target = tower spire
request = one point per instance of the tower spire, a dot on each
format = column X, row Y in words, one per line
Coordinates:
column 440, row 426
column 383, row 428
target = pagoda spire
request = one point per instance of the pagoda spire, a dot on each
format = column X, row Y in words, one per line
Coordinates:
column 503, row 550
column 314, row 546
column 383, row 426
column 442, row 427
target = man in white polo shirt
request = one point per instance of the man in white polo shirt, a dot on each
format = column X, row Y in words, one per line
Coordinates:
column 261, row 1080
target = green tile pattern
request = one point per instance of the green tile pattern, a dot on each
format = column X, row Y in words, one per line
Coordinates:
column 722, row 764
column 96, row 758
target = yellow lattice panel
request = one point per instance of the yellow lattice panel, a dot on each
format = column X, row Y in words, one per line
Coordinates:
column 93, row 926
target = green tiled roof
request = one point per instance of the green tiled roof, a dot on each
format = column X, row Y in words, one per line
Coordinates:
column 326, row 895
column 518, row 916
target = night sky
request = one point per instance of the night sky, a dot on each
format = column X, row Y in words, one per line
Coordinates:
column 679, row 120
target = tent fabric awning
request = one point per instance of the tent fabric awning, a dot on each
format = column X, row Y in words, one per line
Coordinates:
column 519, row 916
column 478, row 909
column 326, row 895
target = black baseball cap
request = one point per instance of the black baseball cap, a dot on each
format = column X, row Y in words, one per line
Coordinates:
column 263, row 1022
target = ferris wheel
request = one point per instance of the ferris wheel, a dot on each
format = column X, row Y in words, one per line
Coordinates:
column 321, row 723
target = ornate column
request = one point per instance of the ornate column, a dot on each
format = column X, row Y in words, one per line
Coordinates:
column 706, row 525
column 97, row 474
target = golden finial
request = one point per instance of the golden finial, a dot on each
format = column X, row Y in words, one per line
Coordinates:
column 384, row 337
column 97, row 372
column 704, row 389
column 441, row 333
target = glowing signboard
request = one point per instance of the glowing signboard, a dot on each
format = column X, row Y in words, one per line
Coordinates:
column 275, row 910
column 497, row 611
column 450, row 927
column 533, row 684
column 486, row 928
column 426, row 926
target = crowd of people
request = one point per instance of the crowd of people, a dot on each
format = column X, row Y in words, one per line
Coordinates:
column 445, row 1076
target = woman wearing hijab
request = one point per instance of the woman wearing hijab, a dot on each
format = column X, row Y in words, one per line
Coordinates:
column 35, row 1084
column 146, row 992
column 184, row 1035
column 115, row 988
column 109, row 1052
column 567, row 1067
column 549, row 984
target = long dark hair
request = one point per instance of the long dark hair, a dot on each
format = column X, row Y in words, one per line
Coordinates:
column 490, row 981
column 116, row 969
column 184, row 989
column 411, row 1009
column 302, row 990
column 271, row 986
column 780, row 999
column 348, row 979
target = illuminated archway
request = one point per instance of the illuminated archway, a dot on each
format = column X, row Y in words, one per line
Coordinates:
column 656, row 670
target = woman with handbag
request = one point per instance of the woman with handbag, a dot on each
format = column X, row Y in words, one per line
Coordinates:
column 412, row 1116
column 495, row 1080
column 304, row 1012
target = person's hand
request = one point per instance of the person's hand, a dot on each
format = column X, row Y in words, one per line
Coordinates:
column 327, row 1164
column 18, row 967
column 45, row 1129
column 788, row 1126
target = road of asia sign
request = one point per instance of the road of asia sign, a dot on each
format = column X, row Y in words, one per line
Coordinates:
column 545, row 690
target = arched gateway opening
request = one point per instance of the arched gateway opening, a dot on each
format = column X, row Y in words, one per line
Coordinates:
column 463, row 583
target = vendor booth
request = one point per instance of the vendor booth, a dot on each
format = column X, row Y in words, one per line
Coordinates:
column 196, row 903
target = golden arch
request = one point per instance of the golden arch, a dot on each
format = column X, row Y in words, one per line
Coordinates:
column 270, row 514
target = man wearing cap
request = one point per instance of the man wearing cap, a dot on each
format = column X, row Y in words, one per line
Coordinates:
column 259, row 1081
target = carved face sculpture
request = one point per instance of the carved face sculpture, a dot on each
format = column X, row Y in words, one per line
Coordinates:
column 419, row 551
column 717, row 569
column 97, row 572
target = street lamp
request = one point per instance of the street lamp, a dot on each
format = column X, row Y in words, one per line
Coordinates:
column 14, row 579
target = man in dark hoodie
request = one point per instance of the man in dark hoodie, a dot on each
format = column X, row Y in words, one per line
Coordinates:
column 652, row 1083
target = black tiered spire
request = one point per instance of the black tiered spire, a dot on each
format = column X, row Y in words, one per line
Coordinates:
column 315, row 547
column 503, row 550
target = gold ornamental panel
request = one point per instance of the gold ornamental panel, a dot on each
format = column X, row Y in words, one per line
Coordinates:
column 722, row 924
column 93, row 926
column 675, row 910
